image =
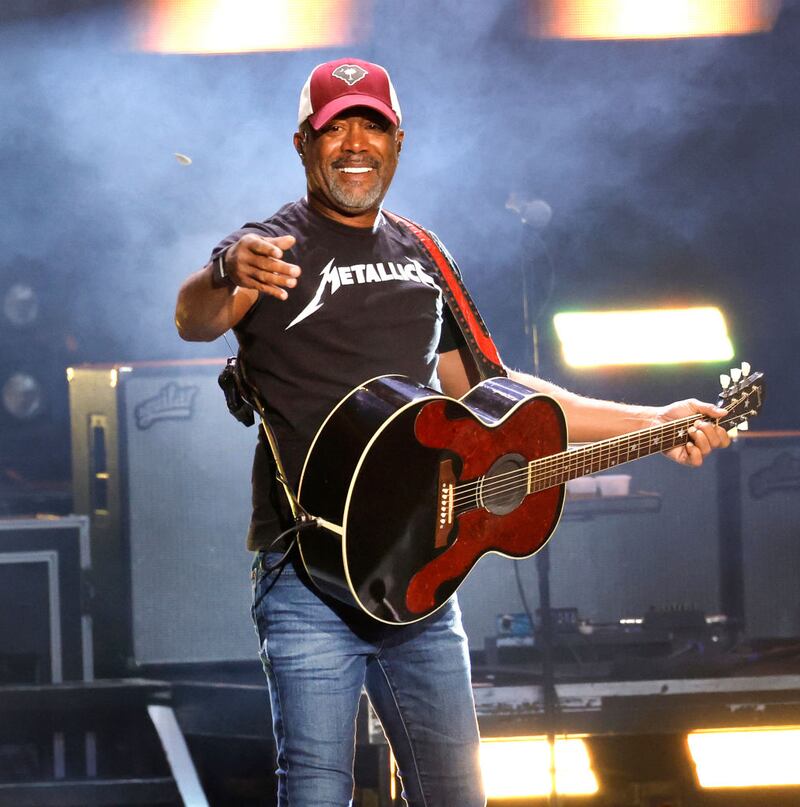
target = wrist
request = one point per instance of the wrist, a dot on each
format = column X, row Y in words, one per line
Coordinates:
column 220, row 278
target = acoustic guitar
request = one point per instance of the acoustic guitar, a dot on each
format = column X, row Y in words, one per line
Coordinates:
column 414, row 487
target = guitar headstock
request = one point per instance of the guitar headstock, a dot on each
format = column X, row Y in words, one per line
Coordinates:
column 742, row 396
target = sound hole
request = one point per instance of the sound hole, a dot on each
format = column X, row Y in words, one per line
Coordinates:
column 503, row 487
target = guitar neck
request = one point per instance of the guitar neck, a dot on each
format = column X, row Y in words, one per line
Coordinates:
column 558, row 469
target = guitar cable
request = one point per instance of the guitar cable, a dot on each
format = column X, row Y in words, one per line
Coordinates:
column 304, row 521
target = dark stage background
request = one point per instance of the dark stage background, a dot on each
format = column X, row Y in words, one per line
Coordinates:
column 671, row 168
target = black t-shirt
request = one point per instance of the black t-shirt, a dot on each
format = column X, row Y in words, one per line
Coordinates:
column 366, row 304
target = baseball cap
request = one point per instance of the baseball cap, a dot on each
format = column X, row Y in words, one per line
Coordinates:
column 344, row 83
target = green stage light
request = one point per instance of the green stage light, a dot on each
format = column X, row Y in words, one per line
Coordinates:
column 655, row 336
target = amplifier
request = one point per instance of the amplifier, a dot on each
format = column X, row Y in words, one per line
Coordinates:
column 769, row 496
column 163, row 472
column 45, row 632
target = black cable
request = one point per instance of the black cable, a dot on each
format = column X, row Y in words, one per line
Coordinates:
column 305, row 523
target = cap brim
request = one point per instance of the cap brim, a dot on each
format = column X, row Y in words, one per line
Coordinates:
column 332, row 109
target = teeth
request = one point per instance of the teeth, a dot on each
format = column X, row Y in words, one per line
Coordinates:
column 355, row 170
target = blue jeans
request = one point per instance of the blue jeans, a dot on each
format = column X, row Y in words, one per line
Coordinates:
column 318, row 654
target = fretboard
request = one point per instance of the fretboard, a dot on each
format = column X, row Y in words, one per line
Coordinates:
column 557, row 469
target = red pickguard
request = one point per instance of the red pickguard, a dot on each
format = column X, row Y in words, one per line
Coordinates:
column 534, row 430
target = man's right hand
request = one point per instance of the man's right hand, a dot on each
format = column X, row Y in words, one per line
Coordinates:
column 254, row 262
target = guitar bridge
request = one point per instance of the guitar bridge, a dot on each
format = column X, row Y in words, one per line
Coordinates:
column 444, row 503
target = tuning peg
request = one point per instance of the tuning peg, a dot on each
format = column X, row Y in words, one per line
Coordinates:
column 736, row 374
column 745, row 368
column 743, row 426
column 734, row 432
column 725, row 380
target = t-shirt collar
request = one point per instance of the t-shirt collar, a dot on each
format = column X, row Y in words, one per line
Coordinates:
column 337, row 226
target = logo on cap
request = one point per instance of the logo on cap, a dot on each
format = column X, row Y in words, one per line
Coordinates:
column 349, row 73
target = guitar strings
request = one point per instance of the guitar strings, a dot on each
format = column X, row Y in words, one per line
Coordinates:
column 596, row 453
column 547, row 472
column 551, row 469
column 557, row 468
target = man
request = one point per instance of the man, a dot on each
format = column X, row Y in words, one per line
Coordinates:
column 323, row 295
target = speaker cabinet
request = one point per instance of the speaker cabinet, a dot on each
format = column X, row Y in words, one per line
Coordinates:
column 163, row 472
column 45, row 635
column 770, row 524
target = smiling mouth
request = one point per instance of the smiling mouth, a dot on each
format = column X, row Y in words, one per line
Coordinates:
column 363, row 170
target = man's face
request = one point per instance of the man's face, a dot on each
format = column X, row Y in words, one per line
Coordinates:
column 350, row 161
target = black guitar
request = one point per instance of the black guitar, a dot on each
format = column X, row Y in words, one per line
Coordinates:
column 414, row 487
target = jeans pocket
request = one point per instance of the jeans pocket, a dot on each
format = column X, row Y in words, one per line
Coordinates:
column 264, row 575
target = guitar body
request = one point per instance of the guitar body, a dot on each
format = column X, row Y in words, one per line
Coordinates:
column 412, row 486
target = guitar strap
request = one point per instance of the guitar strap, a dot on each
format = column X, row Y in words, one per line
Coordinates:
column 250, row 394
column 482, row 348
column 480, row 343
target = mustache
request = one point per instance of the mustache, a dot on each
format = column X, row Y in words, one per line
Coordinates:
column 361, row 162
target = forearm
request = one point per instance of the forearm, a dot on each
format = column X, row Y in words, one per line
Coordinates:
column 252, row 266
column 203, row 312
column 588, row 419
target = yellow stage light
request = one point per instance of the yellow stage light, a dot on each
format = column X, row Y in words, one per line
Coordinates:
column 242, row 26
column 650, row 19
column 515, row 767
column 519, row 767
column 657, row 336
column 746, row 757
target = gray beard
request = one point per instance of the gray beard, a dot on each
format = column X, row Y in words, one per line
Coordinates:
column 355, row 201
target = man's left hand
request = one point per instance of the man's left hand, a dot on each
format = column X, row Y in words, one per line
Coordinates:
column 705, row 435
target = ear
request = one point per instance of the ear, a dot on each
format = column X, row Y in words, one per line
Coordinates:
column 399, row 140
column 298, row 141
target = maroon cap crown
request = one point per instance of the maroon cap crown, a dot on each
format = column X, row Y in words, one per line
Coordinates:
column 335, row 86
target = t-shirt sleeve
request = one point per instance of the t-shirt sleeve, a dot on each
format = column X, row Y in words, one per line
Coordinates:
column 451, row 337
column 255, row 227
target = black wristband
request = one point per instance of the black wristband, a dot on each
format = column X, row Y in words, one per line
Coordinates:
column 219, row 277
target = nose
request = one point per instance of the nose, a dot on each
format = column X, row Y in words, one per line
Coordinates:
column 354, row 140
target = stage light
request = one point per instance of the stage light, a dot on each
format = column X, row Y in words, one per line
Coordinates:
column 650, row 19
column 515, row 767
column 656, row 336
column 20, row 305
column 244, row 26
column 746, row 757
column 519, row 767
column 23, row 397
